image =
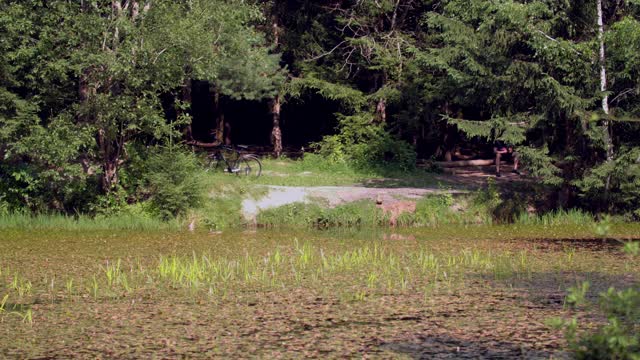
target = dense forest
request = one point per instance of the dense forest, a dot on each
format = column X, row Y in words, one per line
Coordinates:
column 89, row 90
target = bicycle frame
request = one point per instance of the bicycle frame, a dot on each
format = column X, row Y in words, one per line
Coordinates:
column 218, row 155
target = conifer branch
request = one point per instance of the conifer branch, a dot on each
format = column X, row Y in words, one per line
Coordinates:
column 557, row 42
column 327, row 53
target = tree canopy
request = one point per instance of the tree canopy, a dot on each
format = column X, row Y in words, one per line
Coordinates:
column 85, row 85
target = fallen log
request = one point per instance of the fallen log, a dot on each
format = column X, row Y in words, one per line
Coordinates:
column 461, row 163
column 203, row 144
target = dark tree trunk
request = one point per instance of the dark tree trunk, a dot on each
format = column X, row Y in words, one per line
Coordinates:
column 219, row 117
column 227, row 132
column 381, row 111
column 110, row 160
column 187, row 98
column 276, row 133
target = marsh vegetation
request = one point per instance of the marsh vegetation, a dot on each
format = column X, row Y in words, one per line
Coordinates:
column 423, row 292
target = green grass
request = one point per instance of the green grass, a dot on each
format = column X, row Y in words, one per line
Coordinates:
column 446, row 209
column 221, row 209
column 432, row 210
column 356, row 214
column 122, row 221
column 557, row 217
column 313, row 170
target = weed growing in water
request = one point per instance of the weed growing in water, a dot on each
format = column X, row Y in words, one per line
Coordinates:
column 69, row 287
column 3, row 303
column 21, row 286
column 94, row 287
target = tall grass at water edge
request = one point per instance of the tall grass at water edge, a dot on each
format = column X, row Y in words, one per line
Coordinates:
column 19, row 221
column 556, row 218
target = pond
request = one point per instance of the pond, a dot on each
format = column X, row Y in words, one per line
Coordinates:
column 456, row 291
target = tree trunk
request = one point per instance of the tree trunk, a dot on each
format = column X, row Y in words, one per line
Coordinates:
column 219, row 117
column 381, row 111
column 110, row 161
column 276, row 133
column 603, row 84
column 187, row 98
column 227, row 132
column 605, row 98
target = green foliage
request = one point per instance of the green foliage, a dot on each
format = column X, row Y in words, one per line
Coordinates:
column 83, row 83
column 174, row 182
column 367, row 145
column 619, row 337
column 356, row 214
column 130, row 218
column 444, row 209
column 80, row 82
column 615, row 183
column 540, row 164
column 556, row 218
column 222, row 208
column 349, row 97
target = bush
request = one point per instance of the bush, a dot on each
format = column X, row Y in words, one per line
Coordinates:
column 173, row 181
column 356, row 214
column 623, row 178
column 619, row 337
column 366, row 145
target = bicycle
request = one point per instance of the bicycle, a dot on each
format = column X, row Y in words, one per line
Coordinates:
column 235, row 162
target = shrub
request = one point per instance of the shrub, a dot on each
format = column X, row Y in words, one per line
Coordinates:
column 619, row 337
column 173, row 181
column 615, row 186
column 356, row 214
column 366, row 145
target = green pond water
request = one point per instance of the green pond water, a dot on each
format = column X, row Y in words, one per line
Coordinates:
column 181, row 294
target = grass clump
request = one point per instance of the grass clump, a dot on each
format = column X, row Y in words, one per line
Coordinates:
column 121, row 221
column 444, row 209
column 357, row 214
column 619, row 337
column 557, row 217
column 222, row 206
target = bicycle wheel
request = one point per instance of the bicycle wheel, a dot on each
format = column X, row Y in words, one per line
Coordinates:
column 214, row 164
column 249, row 165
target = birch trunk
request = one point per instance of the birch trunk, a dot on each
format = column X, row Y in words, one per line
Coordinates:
column 603, row 85
column 605, row 98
